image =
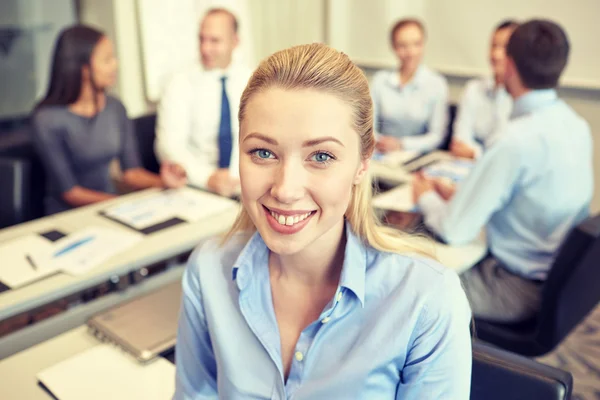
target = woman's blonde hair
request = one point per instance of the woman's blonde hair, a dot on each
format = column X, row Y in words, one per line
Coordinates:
column 319, row 67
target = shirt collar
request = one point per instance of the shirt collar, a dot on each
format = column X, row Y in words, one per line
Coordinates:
column 533, row 100
column 256, row 254
column 394, row 78
column 217, row 73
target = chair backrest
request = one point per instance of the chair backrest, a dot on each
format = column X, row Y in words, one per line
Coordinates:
column 452, row 110
column 500, row 375
column 145, row 131
column 571, row 290
column 17, row 144
column 15, row 205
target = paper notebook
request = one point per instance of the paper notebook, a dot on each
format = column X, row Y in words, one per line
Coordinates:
column 185, row 203
column 81, row 251
column 106, row 372
column 17, row 267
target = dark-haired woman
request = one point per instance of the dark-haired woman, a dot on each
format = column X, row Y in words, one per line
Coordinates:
column 78, row 130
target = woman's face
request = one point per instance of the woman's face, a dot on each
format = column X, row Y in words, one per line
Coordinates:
column 409, row 44
column 299, row 159
column 103, row 64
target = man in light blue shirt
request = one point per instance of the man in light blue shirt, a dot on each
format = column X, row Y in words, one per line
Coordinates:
column 485, row 104
column 396, row 324
column 528, row 191
column 411, row 103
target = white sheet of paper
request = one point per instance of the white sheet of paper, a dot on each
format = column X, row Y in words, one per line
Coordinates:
column 106, row 372
column 186, row 203
column 193, row 205
column 15, row 269
column 145, row 212
column 455, row 170
column 397, row 199
column 97, row 245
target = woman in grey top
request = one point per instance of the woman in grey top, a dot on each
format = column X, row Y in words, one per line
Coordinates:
column 78, row 129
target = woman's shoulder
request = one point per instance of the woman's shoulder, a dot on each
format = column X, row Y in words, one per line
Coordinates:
column 382, row 75
column 50, row 118
column 423, row 277
column 434, row 77
column 214, row 254
column 49, row 113
column 114, row 104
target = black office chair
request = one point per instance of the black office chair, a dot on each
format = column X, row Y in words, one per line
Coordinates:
column 501, row 375
column 569, row 294
column 145, row 131
column 452, row 110
column 15, row 206
column 17, row 144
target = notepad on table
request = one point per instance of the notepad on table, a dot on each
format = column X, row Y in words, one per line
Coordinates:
column 106, row 372
column 184, row 203
column 17, row 267
column 81, row 251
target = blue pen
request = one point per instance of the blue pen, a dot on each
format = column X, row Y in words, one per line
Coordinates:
column 73, row 246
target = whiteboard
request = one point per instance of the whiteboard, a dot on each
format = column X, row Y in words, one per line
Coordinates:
column 169, row 37
column 459, row 32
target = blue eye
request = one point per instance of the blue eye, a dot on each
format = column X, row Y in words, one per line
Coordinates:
column 264, row 154
column 322, row 157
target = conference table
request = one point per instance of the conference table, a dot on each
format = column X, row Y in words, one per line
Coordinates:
column 19, row 370
column 153, row 248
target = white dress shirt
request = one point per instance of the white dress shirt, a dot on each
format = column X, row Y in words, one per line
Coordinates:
column 415, row 112
column 482, row 114
column 188, row 119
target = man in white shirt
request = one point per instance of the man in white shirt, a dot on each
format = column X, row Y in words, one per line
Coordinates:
column 197, row 125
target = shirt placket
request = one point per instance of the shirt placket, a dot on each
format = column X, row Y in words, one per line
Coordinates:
column 307, row 337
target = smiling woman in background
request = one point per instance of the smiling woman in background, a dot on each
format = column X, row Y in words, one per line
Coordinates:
column 78, row 129
column 309, row 296
column 411, row 102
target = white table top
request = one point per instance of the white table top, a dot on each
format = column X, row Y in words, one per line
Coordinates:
column 17, row 373
column 153, row 248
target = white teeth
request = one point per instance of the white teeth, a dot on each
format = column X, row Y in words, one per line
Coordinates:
column 289, row 220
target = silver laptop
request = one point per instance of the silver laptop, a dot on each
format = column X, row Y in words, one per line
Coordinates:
column 145, row 326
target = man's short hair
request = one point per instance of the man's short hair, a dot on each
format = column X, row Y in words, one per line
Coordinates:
column 540, row 50
column 507, row 23
column 220, row 10
column 401, row 24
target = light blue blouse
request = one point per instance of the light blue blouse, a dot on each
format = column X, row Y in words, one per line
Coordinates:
column 396, row 328
column 416, row 112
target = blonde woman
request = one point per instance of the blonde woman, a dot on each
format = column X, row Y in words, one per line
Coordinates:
column 308, row 296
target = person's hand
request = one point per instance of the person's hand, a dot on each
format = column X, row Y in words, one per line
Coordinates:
column 222, row 183
column 461, row 149
column 421, row 185
column 173, row 175
column 445, row 188
column 385, row 144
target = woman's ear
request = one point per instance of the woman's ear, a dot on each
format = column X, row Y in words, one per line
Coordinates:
column 361, row 171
